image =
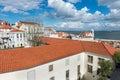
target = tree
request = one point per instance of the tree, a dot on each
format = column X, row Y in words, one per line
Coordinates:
column 101, row 78
column 69, row 37
column 116, row 57
column 36, row 41
column 106, row 68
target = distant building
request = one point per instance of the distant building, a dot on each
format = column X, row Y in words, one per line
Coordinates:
column 11, row 38
column 62, row 59
column 51, row 32
column 114, row 43
column 86, row 36
column 2, row 22
column 31, row 29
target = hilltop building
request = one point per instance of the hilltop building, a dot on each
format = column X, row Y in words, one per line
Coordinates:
column 32, row 30
column 61, row 59
column 2, row 22
column 51, row 32
column 86, row 36
column 11, row 37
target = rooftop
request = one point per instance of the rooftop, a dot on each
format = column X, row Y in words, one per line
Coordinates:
column 24, row 58
column 5, row 27
column 31, row 23
column 16, row 30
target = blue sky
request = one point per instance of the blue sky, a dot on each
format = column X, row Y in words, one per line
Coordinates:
column 64, row 14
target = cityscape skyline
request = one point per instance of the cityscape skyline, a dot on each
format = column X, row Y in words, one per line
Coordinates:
column 64, row 14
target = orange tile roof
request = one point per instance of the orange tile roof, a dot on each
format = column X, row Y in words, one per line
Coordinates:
column 110, row 49
column 85, row 33
column 32, row 23
column 16, row 30
column 5, row 27
column 23, row 58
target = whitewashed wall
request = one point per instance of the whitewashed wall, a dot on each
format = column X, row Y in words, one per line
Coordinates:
column 59, row 69
column 93, row 76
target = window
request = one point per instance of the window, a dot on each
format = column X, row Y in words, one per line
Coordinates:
column 89, row 68
column 67, row 75
column 52, row 78
column 78, row 72
column 100, row 60
column 98, row 71
column 5, row 47
column 17, row 35
column 31, row 75
column 78, row 58
column 90, row 59
column 50, row 67
column 13, row 46
column 67, row 62
column 20, row 35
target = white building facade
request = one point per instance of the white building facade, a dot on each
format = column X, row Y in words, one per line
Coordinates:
column 11, row 38
column 85, row 36
column 31, row 30
column 70, row 68
column 50, row 32
column 77, row 66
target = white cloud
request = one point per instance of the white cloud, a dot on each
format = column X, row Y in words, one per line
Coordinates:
column 77, row 25
column 73, row 18
column 112, row 4
column 74, row 1
column 72, row 24
column 112, row 18
column 96, row 24
column 112, row 24
column 68, row 11
column 19, row 6
column 114, row 15
column 63, row 9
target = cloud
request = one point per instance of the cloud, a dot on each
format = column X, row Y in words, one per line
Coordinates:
column 72, row 24
column 68, row 12
column 112, row 4
column 113, row 16
column 21, row 6
column 74, row 1
column 113, row 24
column 64, row 9
column 96, row 24
column 73, row 18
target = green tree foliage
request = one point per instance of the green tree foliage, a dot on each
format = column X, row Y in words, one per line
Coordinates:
column 106, row 68
column 116, row 57
column 37, row 41
column 101, row 78
column 70, row 37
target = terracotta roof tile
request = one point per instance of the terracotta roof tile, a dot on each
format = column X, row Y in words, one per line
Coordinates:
column 32, row 23
column 110, row 49
column 85, row 33
column 16, row 30
column 23, row 58
column 5, row 27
